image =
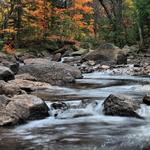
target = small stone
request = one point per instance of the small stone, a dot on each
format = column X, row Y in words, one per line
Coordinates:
column 105, row 67
column 91, row 62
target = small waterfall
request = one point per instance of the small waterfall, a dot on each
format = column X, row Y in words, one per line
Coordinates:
column 144, row 111
column 77, row 109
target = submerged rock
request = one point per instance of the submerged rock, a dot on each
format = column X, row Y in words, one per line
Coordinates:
column 119, row 105
column 54, row 73
column 59, row 105
column 57, row 108
column 73, row 113
column 6, row 74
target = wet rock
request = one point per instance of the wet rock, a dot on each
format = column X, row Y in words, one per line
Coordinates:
column 119, row 105
column 51, row 72
column 6, row 74
column 146, row 99
column 27, row 107
column 57, row 57
column 59, row 105
column 58, row 108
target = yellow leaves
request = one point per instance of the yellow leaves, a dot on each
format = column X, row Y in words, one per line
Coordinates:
column 9, row 30
column 130, row 3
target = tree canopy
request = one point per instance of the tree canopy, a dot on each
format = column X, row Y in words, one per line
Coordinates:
column 91, row 21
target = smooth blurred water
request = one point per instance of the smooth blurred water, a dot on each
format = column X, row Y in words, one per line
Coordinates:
column 86, row 128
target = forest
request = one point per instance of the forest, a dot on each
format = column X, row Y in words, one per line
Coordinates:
column 23, row 23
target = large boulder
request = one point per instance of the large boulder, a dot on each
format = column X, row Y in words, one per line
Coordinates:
column 28, row 107
column 51, row 72
column 105, row 53
column 120, row 105
column 22, row 108
column 6, row 74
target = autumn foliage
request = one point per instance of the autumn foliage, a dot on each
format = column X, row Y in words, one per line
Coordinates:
column 82, row 20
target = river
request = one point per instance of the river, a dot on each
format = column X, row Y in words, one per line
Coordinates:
column 91, row 130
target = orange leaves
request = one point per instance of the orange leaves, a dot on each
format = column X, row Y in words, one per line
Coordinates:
column 83, row 9
column 39, row 10
column 9, row 49
column 78, row 17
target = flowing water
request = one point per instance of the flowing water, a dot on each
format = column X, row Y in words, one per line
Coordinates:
column 83, row 126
